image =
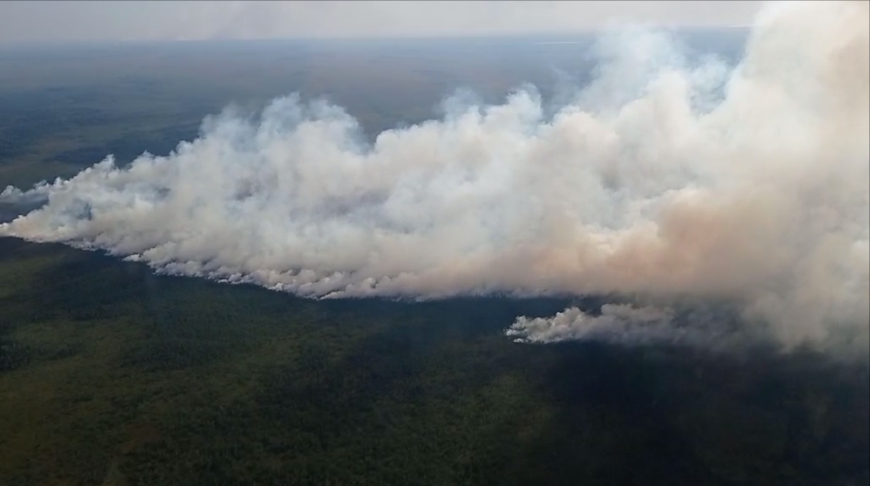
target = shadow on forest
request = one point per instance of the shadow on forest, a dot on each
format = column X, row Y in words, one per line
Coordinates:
column 391, row 390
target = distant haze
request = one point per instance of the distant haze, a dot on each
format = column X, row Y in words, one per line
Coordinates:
column 114, row 21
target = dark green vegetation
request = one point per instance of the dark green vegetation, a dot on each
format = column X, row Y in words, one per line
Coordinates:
column 110, row 375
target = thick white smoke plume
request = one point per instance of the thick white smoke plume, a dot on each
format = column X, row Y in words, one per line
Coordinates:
column 660, row 179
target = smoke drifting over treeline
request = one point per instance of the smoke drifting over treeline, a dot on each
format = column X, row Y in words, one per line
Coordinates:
column 744, row 183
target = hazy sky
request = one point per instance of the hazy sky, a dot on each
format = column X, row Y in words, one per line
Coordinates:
column 136, row 20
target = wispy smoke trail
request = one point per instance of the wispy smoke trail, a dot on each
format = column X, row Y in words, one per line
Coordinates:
column 660, row 179
column 615, row 322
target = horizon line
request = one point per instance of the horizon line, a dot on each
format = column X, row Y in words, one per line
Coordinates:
column 360, row 38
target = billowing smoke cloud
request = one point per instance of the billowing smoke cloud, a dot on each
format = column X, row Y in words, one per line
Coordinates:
column 615, row 322
column 659, row 179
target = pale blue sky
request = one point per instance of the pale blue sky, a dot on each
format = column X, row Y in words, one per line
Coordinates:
column 137, row 20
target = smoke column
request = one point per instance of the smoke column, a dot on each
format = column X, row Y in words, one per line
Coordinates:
column 660, row 179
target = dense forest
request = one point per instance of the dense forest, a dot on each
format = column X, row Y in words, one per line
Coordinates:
column 111, row 375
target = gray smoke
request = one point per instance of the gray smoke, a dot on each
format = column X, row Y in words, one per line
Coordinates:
column 660, row 178
column 615, row 322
